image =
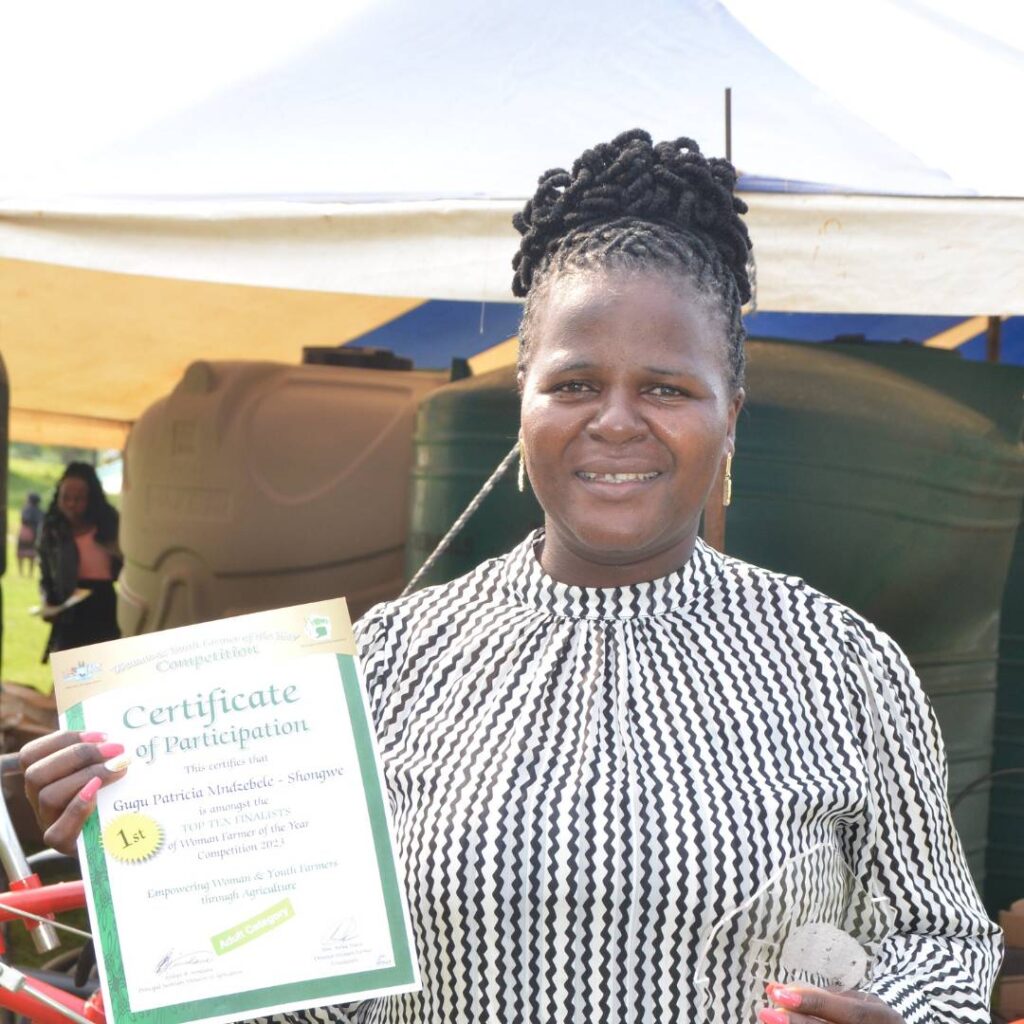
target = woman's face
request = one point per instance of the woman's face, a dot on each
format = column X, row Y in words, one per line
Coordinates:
column 73, row 499
column 627, row 415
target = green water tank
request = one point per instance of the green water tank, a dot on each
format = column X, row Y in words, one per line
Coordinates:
column 887, row 476
column 463, row 431
column 891, row 478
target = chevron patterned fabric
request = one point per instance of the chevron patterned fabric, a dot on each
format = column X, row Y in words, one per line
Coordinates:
column 615, row 804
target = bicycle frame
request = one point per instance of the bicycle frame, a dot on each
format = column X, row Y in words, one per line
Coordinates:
column 34, row 905
column 39, row 1002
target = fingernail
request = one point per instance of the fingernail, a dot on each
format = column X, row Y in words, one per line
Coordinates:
column 119, row 763
column 89, row 790
column 785, row 997
column 773, row 1016
column 110, row 749
column 92, row 737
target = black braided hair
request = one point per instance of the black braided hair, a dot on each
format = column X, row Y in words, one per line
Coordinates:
column 634, row 205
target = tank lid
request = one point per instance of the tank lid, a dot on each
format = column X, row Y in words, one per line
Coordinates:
column 354, row 356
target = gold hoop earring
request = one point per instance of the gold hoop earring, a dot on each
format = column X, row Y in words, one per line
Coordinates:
column 521, row 480
column 727, row 487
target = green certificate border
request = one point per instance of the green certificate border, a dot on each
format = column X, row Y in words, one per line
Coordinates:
column 312, row 992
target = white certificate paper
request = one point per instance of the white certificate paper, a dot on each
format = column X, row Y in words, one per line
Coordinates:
column 245, row 864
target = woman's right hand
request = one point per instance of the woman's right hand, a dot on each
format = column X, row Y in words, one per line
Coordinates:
column 63, row 773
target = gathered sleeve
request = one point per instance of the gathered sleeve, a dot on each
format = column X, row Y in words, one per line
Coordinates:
column 939, row 962
column 377, row 642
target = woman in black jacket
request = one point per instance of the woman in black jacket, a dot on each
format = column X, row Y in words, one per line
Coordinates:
column 78, row 550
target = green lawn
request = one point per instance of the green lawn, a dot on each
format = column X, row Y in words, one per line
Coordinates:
column 24, row 635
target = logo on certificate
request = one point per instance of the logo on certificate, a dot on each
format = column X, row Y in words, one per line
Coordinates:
column 83, row 672
column 318, row 627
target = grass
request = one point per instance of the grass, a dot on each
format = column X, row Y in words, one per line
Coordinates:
column 24, row 635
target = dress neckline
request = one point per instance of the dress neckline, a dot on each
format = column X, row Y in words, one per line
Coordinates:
column 527, row 583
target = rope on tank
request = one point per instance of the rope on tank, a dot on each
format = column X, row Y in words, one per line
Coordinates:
column 442, row 546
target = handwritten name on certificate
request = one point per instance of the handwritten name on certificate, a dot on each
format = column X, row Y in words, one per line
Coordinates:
column 245, row 863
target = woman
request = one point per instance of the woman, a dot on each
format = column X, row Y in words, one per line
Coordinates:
column 622, row 765
column 78, row 550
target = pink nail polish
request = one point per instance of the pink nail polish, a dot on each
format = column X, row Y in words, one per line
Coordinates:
column 108, row 750
column 773, row 1016
column 785, row 997
column 89, row 790
column 92, row 737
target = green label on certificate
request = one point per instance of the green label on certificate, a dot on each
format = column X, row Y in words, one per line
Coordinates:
column 253, row 928
column 245, row 862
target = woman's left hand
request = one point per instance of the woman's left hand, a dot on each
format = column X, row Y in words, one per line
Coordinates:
column 797, row 1004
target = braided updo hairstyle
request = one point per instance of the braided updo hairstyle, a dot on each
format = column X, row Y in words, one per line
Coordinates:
column 631, row 205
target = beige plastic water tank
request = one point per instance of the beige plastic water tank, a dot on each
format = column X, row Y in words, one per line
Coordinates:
column 256, row 485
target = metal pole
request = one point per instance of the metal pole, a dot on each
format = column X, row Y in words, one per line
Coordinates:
column 442, row 545
column 16, row 868
column 993, row 338
column 728, row 123
column 714, row 512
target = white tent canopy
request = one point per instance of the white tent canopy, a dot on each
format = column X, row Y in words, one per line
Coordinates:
column 460, row 100
column 815, row 253
column 374, row 155
column 378, row 148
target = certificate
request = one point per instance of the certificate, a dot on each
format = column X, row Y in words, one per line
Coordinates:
column 245, row 863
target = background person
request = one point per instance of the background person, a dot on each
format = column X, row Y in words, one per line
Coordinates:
column 78, row 548
column 602, row 745
column 28, row 533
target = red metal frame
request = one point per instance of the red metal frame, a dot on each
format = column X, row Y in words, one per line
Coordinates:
column 44, row 901
column 25, row 1004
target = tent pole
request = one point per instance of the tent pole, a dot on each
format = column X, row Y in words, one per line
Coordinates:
column 992, row 339
column 728, row 124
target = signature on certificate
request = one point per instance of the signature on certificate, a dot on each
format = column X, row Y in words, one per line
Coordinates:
column 193, row 959
column 344, row 932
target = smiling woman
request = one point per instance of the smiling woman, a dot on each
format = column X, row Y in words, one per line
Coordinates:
column 622, row 451
column 633, row 779
column 633, row 776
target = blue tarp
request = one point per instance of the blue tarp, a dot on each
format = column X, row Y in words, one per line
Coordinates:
column 435, row 332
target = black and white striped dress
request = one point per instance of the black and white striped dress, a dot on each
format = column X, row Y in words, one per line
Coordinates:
column 613, row 804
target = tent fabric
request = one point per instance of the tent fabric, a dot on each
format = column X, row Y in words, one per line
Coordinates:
column 935, row 75
column 815, row 253
column 387, row 157
column 1011, row 344
column 325, row 198
column 454, row 99
column 86, row 351
column 36, row 426
column 440, row 330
